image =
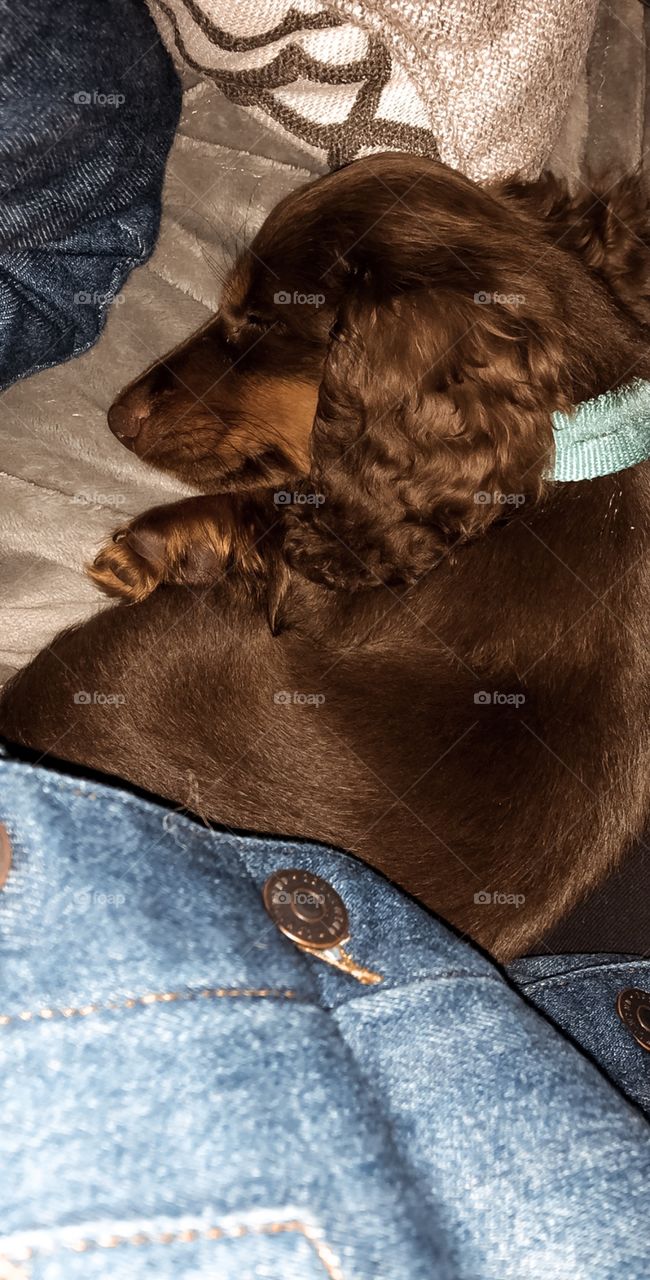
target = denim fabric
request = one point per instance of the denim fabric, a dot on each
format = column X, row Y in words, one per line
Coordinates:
column 89, row 102
column 188, row 1095
column 579, row 993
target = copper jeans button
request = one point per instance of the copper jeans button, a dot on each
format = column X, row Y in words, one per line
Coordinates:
column 5, row 856
column 306, row 909
column 633, row 1008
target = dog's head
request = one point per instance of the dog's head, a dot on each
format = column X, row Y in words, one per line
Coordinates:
column 401, row 337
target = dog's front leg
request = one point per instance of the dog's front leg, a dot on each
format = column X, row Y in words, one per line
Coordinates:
column 189, row 543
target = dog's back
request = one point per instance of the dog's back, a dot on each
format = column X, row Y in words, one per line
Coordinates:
column 484, row 730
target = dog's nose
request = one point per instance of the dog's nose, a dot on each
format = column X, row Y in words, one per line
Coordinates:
column 125, row 423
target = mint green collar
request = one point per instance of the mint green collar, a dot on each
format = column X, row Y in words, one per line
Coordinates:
column 603, row 435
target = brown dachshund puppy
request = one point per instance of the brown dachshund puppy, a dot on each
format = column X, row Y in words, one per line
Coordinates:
column 383, row 626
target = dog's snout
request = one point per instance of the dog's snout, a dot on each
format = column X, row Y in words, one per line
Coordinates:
column 137, row 406
column 129, row 413
column 124, row 423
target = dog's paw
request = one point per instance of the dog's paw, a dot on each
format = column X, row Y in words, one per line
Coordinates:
column 127, row 568
column 191, row 543
column 187, row 543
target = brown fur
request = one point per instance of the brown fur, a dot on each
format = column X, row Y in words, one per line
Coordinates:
column 394, row 597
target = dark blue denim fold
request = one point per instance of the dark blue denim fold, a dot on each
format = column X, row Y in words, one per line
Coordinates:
column 89, row 102
column 187, row 1095
column 579, row 993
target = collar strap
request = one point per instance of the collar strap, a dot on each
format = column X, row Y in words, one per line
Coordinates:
column 603, row 435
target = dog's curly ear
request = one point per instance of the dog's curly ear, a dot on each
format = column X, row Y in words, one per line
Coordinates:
column 433, row 420
column 606, row 223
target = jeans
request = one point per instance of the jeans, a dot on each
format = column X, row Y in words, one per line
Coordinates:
column 187, row 1094
column 89, row 102
column 579, row 993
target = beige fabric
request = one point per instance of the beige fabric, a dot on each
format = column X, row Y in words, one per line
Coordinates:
column 486, row 83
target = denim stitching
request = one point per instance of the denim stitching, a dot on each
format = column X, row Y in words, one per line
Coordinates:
column 155, row 997
column 322, row 1250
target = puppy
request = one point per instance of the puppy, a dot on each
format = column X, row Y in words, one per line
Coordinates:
column 383, row 625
